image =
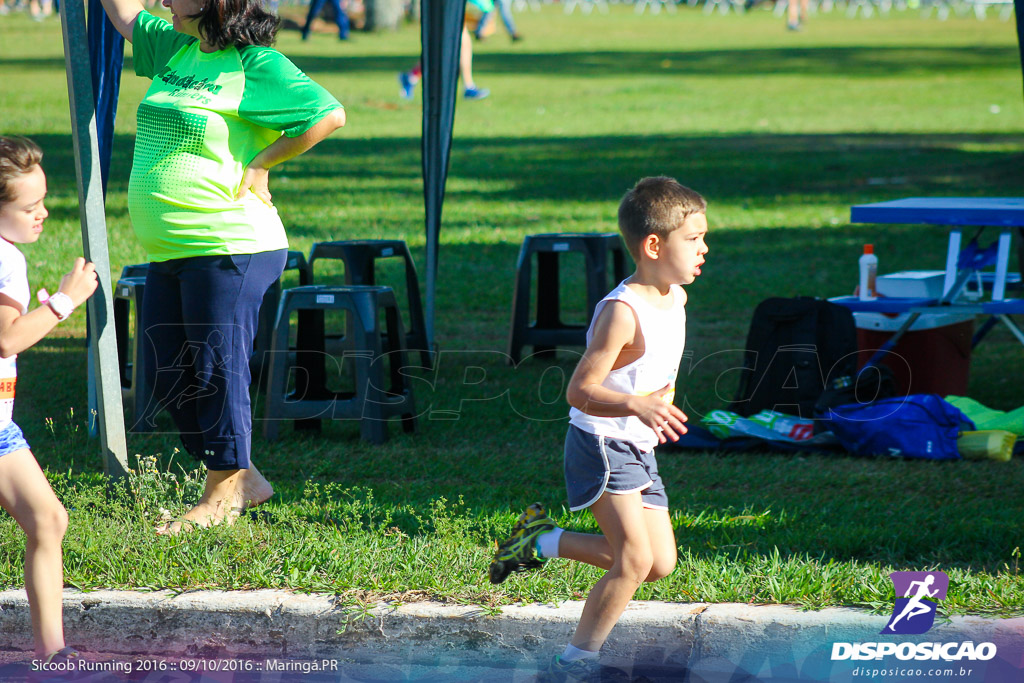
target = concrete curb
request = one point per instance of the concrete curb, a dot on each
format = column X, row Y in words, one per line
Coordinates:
column 279, row 623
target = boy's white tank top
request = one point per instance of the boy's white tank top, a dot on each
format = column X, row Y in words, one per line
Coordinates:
column 664, row 333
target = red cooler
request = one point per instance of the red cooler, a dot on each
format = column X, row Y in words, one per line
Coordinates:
column 933, row 357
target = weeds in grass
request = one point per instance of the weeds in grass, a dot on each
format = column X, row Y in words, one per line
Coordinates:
column 68, row 428
column 159, row 493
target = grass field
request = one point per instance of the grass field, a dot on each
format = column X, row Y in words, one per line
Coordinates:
column 782, row 132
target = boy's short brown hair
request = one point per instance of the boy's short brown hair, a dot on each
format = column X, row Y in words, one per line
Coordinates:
column 17, row 157
column 656, row 206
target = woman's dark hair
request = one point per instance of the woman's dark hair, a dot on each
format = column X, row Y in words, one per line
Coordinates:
column 238, row 23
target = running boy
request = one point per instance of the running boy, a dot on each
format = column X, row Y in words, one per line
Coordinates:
column 621, row 396
column 24, row 491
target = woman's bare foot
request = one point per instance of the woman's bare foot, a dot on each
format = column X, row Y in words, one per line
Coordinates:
column 252, row 490
column 217, row 505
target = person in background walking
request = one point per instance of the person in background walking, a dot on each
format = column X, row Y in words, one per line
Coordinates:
column 340, row 18
column 797, row 14
column 487, row 17
column 407, row 80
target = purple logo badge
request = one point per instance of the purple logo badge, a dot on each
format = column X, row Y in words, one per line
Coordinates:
column 917, row 596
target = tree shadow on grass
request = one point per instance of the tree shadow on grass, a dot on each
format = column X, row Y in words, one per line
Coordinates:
column 840, row 62
column 748, row 170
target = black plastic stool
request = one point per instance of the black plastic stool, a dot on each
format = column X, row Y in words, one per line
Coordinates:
column 548, row 331
column 135, row 270
column 377, row 396
column 359, row 257
column 136, row 395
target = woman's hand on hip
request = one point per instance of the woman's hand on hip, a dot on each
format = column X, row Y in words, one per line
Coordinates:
column 255, row 180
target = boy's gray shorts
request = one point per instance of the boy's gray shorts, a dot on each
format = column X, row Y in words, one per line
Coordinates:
column 595, row 464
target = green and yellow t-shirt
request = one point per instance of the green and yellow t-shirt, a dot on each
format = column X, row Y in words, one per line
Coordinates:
column 204, row 118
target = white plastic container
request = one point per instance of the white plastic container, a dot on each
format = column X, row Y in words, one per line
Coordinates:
column 912, row 283
column 868, row 264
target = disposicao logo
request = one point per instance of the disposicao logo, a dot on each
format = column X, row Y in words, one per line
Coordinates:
column 917, row 594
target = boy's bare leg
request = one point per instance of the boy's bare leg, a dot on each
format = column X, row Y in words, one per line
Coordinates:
column 594, row 549
column 27, row 497
column 622, row 519
column 663, row 543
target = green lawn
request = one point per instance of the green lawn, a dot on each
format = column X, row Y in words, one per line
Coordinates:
column 781, row 132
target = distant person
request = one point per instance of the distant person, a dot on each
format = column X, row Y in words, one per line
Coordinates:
column 340, row 18
column 407, row 80
column 621, row 396
column 797, row 15
column 24, row 491
column 39, row 10
column 223, row 109
column 482, row 26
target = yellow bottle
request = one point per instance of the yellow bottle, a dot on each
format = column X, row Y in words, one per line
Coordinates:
column 995, row 444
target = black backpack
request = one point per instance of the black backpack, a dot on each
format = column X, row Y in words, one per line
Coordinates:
column 795, row 349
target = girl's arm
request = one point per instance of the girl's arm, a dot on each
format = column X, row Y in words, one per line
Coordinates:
column 123, row 14
column 257, row 173
column 19, row 332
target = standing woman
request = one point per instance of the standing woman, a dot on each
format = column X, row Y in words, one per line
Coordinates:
column 209, row 131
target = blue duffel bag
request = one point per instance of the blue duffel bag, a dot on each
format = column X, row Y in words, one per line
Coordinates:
column 915, row 426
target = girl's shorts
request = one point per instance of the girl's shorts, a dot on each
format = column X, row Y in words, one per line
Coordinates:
column 595, row 464
column 11, row 439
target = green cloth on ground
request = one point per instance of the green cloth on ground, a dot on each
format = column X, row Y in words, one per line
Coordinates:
column 990, row 418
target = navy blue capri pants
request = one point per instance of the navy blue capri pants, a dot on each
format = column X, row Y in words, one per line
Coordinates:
column 199, row 318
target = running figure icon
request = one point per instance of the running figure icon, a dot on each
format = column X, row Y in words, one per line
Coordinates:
column 914, row 607
column 917, row 597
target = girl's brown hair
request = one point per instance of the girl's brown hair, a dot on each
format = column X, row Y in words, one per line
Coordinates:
column 18, row 156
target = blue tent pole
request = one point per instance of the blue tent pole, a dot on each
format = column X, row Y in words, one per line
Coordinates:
column 441, row 34
column 94, row 237
column 106, row 57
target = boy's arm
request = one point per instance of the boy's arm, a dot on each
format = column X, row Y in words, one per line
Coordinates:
column 614, row 332
column 19, row 332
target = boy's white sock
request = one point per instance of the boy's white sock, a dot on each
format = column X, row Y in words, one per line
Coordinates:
column 547, row 543
column 572, row 653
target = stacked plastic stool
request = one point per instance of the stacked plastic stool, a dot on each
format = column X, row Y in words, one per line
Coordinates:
column 377, row 339
column 136, row 395
column 359, row 258
column 548, row 331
